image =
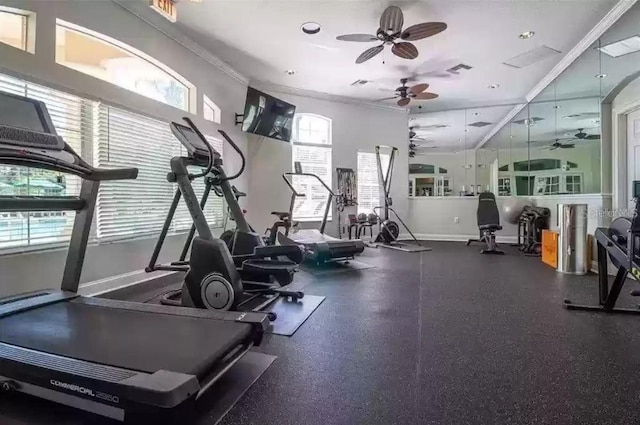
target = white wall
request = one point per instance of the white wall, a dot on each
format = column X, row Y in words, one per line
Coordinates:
column 17, row 271
column 629, row 94
column 355, row 127
column 434, row 218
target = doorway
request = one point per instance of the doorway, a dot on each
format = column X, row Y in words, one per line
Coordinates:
column 633, row 153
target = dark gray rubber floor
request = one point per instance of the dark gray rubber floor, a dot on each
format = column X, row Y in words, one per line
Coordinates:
column 450, row 337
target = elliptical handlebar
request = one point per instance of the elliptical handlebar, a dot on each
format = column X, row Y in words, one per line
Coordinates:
column 211, row 164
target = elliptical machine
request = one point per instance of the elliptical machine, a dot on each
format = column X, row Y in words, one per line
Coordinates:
column 389, row 230
column 215, row 279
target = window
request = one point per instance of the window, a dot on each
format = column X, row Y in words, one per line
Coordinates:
column 312, row 148
column 13, row 29
column 210, row 110
column 129, row 208
column 504, row 186
column 547, row 185
column 369, row 190
column 574, row 183
column 109, row 60
column 106, row 137
column 36, row 228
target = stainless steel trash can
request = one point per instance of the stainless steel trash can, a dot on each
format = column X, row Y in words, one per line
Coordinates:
column 572, row 242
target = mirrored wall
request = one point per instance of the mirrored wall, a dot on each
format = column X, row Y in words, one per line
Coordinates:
column 550, row 146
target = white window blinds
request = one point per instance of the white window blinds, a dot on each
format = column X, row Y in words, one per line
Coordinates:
column 105, row 137
column 71, row 116
column 312, row 148
column 129, row 208
column 369, row 190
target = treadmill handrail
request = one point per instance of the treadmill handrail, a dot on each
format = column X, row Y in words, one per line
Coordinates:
column 284, row 176
column 81, row 169
column 332, row 195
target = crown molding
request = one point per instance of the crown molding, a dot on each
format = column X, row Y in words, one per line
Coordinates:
column 142, row 12
column 324, row 96
column 595, row 33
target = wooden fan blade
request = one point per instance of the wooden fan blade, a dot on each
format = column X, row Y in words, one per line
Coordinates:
column 358, row 38
column 392, row 20
column 592, row 137
column 419, row 88
column 405, row 50
column 426, row 96
column 424, row 30
column 404, row 101
column 386, row 98
column 369, row 53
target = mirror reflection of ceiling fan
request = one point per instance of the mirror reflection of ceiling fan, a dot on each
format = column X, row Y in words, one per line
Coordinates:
column 404, row 93
column 390, row 32
column 558, row 145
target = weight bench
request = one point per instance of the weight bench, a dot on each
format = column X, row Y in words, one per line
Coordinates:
column 488, row 223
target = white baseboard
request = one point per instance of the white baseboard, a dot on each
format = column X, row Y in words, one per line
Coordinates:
column 113, row 283
column 456, row 238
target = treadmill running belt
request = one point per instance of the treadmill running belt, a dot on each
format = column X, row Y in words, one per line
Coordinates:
column 124, row 338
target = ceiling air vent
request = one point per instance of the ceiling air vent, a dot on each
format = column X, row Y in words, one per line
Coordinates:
column 460, row 67
column 532, row 56
column 479, row 124
column 359, row 82
column 429, row 127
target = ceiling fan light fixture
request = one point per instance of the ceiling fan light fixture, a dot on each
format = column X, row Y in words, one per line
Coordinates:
column 526, row 35
column 601, row 76
column 311, row 28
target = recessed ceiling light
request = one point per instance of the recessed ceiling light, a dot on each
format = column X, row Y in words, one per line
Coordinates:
column 601, row 76
column 527, row 35
column 557, row 107
column 494, row 86
column 568, row 134
column 596, row 121
column 290, row 72
column 311, row 28
column 622, row 47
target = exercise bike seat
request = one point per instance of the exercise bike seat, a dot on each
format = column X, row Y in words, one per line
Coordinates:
column 490, row 227
column 282, row 215
column 293, row 252
column 269, row 266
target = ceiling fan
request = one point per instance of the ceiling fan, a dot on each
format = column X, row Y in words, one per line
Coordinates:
column 581, row 135
column 390, row 31
column 558, row 145
column 406, row 93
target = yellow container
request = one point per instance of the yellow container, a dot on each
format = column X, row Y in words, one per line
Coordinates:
column 550, row 248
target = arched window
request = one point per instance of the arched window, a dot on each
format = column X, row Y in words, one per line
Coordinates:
column 210, row 110
column 110, row 60
column 312, row 148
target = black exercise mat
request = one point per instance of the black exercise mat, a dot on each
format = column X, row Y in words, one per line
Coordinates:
column 291, row 315
column 20, row 409
column 334, row 267
column 217, row 402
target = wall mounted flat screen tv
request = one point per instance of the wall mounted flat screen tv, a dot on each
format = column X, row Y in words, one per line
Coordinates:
column 267, row 116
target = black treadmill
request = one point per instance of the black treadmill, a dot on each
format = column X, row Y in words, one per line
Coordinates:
column 118, row 359
column 318, row 246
